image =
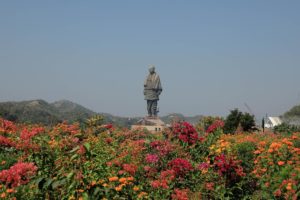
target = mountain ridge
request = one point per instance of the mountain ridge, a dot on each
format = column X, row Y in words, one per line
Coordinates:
column 41, row 111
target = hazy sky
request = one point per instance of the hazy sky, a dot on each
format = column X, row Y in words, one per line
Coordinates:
column 212, row 56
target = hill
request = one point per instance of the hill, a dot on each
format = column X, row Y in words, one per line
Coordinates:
column 168, row 119
column 40, row 111
column 292, row 116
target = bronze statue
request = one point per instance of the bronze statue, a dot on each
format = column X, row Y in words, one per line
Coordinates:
column 152, row 90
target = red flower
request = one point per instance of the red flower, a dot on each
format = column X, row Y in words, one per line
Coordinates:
column 130, row 168
column 185, row 132
column 180, row 166
column 159, row 184
column 7, row 126
column 108, row 126
column 163, row 148
column 28, row 134
column 180, row 194
column 209, row 186
column 168, row 175
column 6, row 142
column 18, row 174
column 215, row 125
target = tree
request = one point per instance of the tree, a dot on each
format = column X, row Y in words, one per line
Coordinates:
column 235, row 118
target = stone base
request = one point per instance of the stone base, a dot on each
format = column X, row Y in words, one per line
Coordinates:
column 152, row 124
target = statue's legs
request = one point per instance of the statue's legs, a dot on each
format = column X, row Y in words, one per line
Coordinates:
column 149, row 107
column 152, row 108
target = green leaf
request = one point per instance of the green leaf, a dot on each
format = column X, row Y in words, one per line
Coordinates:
column 87, row 146
column 70, row 175
column 75, row 149
column 74, row 157
column 85, row 196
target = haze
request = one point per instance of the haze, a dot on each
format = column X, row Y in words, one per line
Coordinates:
column 212, row 56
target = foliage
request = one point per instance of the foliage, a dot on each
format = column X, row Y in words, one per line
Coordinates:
column 236, row 119
column 100, row 161
column 286, row 128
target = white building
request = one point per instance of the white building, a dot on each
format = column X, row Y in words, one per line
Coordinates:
column 271, row 122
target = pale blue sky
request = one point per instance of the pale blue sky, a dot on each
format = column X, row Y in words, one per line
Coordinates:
column 212, row 56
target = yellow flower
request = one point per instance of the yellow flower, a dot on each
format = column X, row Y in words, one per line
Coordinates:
column 71, row 198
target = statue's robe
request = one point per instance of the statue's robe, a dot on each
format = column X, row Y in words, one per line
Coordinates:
column 152, row 87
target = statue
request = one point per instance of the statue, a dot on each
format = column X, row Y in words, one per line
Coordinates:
column 152, row 90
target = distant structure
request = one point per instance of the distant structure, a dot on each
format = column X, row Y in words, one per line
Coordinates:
column 271, row 122
column 152, row 125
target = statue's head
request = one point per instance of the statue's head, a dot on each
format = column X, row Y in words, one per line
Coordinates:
column 151, row 69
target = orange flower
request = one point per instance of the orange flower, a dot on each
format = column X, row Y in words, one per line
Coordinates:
column 130, row 178
column 257, row 152
column 289, row 186
column 119, row 188
column 10, row 190
column 136, row 188
column 114, row 178
column 142, row 194
column 122, row 180
column 3, row 162
column 264, row 169
column 270, row 150
column 101, row 181
column 104, row 184
column 3, row 195
column 280, row 163
column 93, row 183
column 80, row 190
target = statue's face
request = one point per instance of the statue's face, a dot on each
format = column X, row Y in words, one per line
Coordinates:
column 151, row 70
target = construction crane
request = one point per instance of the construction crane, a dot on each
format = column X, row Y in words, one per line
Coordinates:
column 250, row 110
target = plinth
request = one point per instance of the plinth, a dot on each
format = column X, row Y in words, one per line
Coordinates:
column 152, row 124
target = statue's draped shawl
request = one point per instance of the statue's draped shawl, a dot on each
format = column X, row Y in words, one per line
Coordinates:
column 152, row 87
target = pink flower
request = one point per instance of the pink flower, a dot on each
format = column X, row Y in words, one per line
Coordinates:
column 152, row 158
column 203, row 166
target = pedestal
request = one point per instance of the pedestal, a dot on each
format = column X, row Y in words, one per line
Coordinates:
column 152, row 124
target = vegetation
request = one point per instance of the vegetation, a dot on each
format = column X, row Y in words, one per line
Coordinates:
column 236, row 119
column 100, row 161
